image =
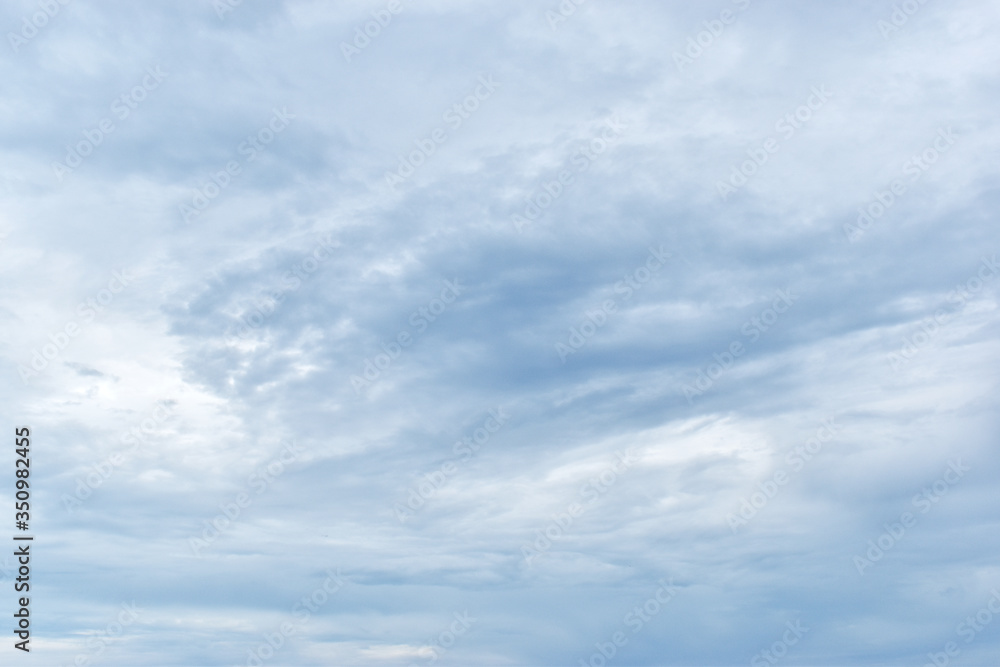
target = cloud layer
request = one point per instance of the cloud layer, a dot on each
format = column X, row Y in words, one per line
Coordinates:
column 505, row 333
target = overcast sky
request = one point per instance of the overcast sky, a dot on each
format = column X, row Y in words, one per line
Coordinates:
column 504, row 333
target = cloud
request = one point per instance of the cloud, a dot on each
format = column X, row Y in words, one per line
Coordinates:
column 241, row 326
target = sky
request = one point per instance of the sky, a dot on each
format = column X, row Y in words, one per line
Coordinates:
column 503, row 333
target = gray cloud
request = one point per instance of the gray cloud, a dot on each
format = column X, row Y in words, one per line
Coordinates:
column 248, row 320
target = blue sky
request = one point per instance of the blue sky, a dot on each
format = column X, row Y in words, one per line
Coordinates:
column 504, row 333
